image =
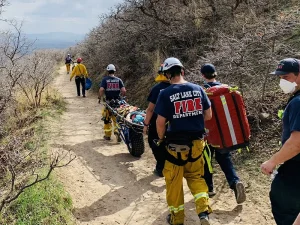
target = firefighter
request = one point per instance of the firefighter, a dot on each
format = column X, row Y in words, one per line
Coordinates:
column 185, row 106
column 112, row 87
column 209, row 74
column 150, row 121
column 80, row 73
column 285, row 188
column 68, row 62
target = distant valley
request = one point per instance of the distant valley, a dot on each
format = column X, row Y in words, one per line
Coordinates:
column 55, row 40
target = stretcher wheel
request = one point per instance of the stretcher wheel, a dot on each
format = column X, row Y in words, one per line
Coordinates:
column 137, row 146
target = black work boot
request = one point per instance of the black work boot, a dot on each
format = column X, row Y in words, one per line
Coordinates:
column 158, row 173
column 204, row 219
column 239, row 191
column 106, row 138
column 119, row 139
column 169, row 220
column 211, row 193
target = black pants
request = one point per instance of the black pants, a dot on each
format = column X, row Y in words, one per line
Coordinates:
column 158, row 151
column 225, row 162
column 285, row 198
column 79, row 81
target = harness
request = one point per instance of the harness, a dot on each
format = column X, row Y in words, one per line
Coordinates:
column 106, row 113
column 81, row 74
column 179, row 143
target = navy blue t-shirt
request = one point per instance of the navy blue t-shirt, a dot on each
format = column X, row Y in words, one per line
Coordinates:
column 211, row 84
column 153, row 96
column 112, row 86
column 183, row 106
column 291, row 121
column 68, row 59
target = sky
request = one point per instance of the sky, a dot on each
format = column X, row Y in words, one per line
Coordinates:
column 43, row 16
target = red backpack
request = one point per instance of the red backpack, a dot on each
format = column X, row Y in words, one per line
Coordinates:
column 228, row 129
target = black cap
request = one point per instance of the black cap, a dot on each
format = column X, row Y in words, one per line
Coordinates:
column 208, row 68
column 285, row 66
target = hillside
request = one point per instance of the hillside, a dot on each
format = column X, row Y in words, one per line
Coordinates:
column 244, row 39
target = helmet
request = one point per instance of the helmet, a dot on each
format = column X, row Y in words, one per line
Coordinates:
column 79, row 60
column 160, row 69
column 69, row 54
column 111, row 67
column 170, row 62
column 208, row 68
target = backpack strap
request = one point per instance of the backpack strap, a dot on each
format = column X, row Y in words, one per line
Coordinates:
column 297, row 93
column 206, row 86
column 294, row 95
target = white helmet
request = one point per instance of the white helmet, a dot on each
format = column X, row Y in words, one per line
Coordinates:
column 170, row 62
column 111, row 67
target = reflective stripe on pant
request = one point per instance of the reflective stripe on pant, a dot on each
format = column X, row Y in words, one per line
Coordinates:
column 208, row 170
column 192, row 172
column 107, row 123
column 226, row 164
column 68, row 67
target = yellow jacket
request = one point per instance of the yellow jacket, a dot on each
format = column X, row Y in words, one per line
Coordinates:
column 79, row 70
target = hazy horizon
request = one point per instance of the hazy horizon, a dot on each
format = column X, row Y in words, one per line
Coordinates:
column 44, row 16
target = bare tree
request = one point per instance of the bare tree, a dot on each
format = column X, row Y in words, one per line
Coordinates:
column 13, row 47
column 38, row 72
column 24, row 169
column 21, row 158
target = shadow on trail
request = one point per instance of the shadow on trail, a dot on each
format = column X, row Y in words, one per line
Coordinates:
column 112, row 170
column 71, row 97
column 121, row 198
column 227, row 216
column 191, row 217
column 221, row 216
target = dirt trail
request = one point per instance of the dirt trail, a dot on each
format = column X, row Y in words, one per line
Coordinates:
column 108, row 186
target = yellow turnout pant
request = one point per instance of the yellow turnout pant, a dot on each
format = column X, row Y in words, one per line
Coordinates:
column 192, row 172
column 68, row 65
column 108, row 119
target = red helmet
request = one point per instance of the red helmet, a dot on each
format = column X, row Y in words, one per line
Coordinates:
column 79, row 60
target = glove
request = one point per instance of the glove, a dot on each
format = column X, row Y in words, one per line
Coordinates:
column 158, row 142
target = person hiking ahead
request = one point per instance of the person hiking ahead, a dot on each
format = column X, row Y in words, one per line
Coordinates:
column 68, row 62
column 112, row 87
column 185, row 106
column 209, row 74
column 285, row 188
column 80, row 74
column 150, row 121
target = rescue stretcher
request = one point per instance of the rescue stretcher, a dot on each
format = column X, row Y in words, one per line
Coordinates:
column 130, row 127
column 122, row 119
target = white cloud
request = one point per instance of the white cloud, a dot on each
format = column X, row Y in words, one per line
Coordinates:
column 42, row 16
column 78, row 6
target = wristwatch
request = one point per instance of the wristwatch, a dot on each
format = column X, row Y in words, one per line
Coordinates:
column 145, row 125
